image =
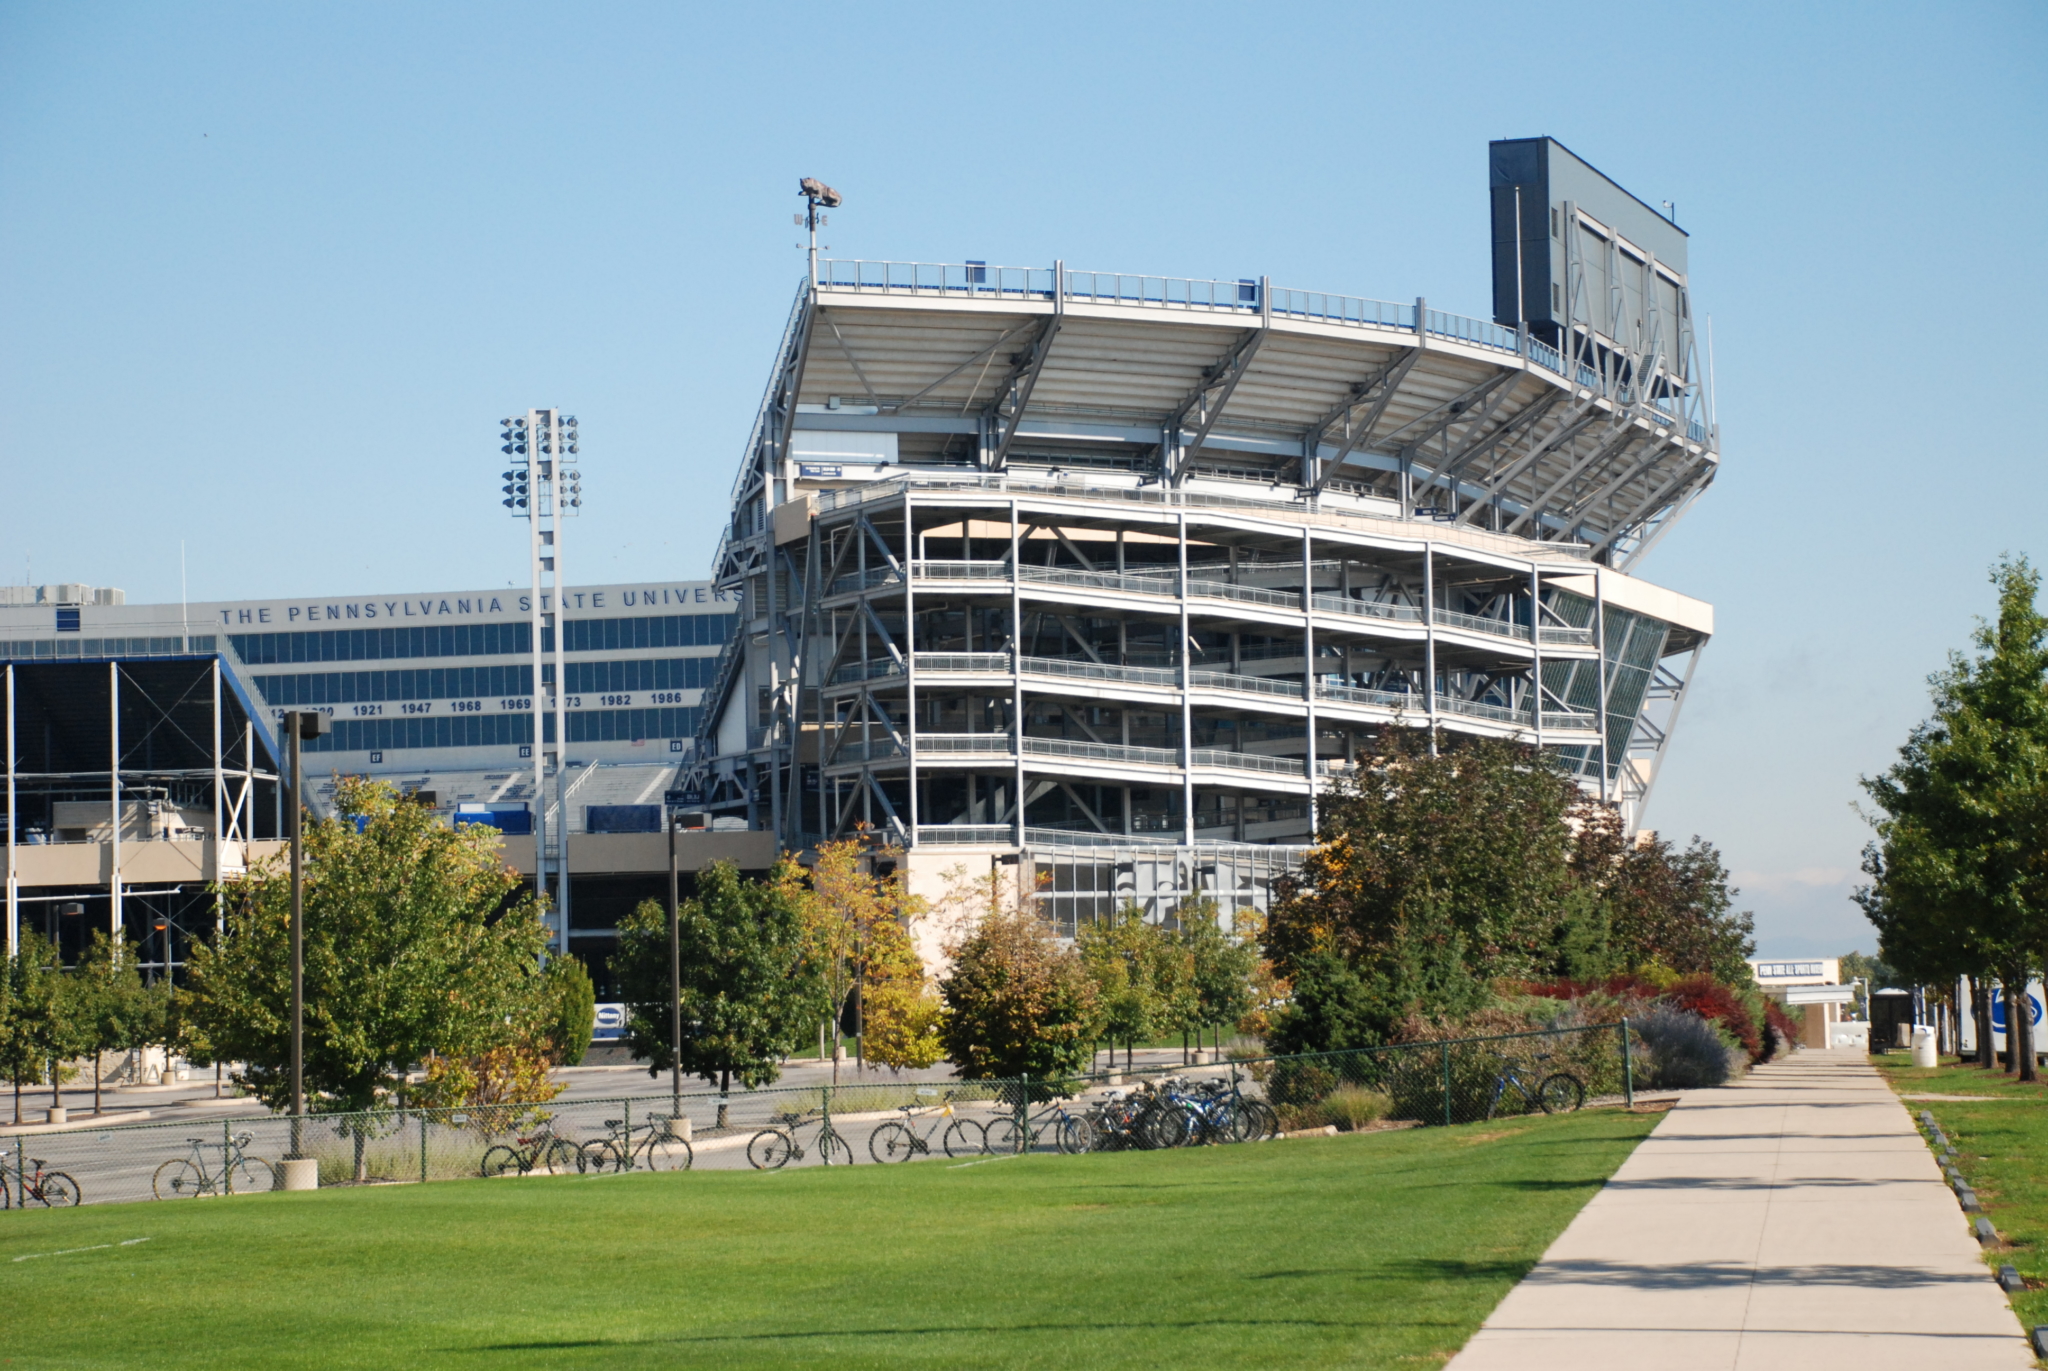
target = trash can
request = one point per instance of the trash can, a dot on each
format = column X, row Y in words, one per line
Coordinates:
column 1923, row 1045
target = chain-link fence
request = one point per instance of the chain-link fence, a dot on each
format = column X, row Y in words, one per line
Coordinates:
column 1242, row 1099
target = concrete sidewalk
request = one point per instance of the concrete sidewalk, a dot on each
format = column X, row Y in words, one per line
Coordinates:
column 1795, row 1220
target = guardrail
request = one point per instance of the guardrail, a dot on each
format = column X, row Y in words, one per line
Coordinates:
column 979, row 663
column 846, row 672
column 1295, row 507
column 1099, row 671
column 1250, row 685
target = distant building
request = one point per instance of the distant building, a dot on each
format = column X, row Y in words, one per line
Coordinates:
column 433, row 692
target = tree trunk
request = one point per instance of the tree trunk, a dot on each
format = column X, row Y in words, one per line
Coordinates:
column 1980, row 1010
column 725, row 1085
column 56, row 1086
column 2022, row 1015
column 362, row 1164
column 96, row 1081
column 17, row 1101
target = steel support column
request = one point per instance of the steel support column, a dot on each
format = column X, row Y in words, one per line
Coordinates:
column 115, row 915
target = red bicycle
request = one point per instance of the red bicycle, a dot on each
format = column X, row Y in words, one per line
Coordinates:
column 50, row 1189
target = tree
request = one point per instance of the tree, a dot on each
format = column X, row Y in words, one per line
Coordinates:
column 751, row 988
column 1223, row 966
column 1433, row 876
column 31, row 997
column 116, row 1012
column 1017, row 1002
column 414, row 948
column 571, row 1011
column 905, row 1026
column 1674, row 908
column 859, row 923
column 1124, row 956
column 1957, row 869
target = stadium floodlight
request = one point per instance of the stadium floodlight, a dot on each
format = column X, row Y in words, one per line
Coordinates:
column 816, row 195
column 543, row 490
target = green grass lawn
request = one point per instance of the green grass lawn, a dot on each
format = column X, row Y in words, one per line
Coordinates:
column 1380, row 1250
column 2002, row 1147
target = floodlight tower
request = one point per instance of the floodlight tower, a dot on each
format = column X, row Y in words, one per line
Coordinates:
column 817, row 195
column 543, row 487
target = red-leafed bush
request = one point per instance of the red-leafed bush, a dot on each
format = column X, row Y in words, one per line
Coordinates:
column 1777, row 1019
column 1718, row 1004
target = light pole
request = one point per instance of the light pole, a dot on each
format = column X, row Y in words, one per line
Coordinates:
column 299, row 725
column 817, row 195
column 543, row 487
column 675, row 976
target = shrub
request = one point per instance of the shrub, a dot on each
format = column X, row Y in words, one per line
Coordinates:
column 1352, row 1107
column 1719, row 1004
column 1685, row 1051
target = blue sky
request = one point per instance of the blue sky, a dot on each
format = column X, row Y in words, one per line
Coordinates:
column 270, row 274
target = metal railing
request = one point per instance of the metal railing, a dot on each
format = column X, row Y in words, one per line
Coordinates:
column 1163, row 583
column 1249, row 685
column 865, row 671
column 1099, row 671
column 1072, row 749
column 1368, row 609
column 1293, row 507
column 1251, row 595
column 978, row 663
column 850, row 750
column 1473, row 623
column 1381, row 699
column 862, row 580
column 965, row 744
column 965, row 834
column 1226, row 760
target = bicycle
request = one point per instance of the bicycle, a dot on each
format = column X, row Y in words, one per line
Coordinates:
column 1558, row 1093
column 542, row 1152
column 618, row 1152
column 1070, row 1132
column 1212, row 1112
column 190, row 1177
column 50, row 1189
column 775, row 1146
column 898, row 1141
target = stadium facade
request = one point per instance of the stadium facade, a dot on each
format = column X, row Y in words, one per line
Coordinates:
column 1110, row 576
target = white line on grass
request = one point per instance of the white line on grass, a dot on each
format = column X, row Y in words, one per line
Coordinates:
column 1008, row 1157
column 96, row 1247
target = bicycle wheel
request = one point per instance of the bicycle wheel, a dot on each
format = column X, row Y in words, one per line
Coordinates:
column 599, row 1156
column 499, row 1161
column 834, row 1150
column 1005, row 1138
column 667, row 1154
column 1074, row 1134
column 892, row 1142
column 178, row 1179
column 965, row 1138
column 1261, row 1123
column 1166, row 1126
column 250, row 1176
column 1560, row 1094
column 58, row 1190
column 559, row 1158
column 770, row 1149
